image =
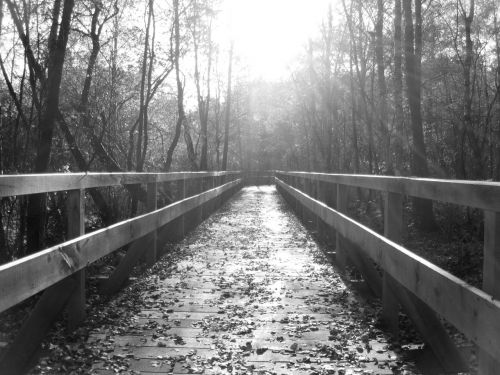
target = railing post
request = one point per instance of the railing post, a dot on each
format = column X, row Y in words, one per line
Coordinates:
column 198, row 211
column 491, row 280
column 75, row 206
column 393, row 227
column 341, row 206
column 320, row 195
column 182, row 184
column 151, row 205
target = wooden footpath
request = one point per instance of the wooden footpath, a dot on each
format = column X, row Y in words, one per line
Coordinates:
column 250, row 291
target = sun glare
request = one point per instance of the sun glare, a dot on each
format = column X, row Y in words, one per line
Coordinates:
column 269, row 34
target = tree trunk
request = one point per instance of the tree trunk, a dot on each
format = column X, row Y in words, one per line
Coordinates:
column 398, row 90
column 353, row 113
column 142, row 124
column 228, row 111
column 57, row 42
column 189, row 147
column 382, row 108
column 466, row 127
column 83, row 166
column 203, row 102
column 496, row 174
column 181, row 116
column 424, row 217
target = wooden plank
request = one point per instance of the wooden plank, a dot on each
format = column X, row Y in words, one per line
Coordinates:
column 22, row 184
column 393, row 227
column 181, row 230
column 75, row 206
column 17, row 357
column 426, row 321
column 431, row 328
column 341, row 245
column 472, row 311
column 116, row 280
column 151, row 250
column 489, row 365
column 479, row 194
column 27, row 276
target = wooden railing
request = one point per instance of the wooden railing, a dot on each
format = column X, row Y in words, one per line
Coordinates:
column 60, row 269
column 426, row 292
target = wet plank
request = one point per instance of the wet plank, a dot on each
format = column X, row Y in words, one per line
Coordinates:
column 249, row 292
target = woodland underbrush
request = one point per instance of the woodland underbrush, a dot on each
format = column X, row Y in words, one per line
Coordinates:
column 455, row 244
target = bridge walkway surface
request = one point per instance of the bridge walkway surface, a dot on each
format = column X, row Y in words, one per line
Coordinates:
column 248, row 291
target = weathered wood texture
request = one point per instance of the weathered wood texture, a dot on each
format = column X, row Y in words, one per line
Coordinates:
column 472, row 311
column 245, row 297
column 27, row 276
column 489, row 365
column 478, row 194
column 393, row 228
column 22, row 184
column 151, row 254
column 75, row 205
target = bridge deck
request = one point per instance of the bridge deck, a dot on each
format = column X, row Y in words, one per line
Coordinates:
column 248, row 292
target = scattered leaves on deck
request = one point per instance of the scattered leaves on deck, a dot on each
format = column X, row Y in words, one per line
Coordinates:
column 248, row 292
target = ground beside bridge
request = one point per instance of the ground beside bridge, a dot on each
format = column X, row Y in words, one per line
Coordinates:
column 249, row 291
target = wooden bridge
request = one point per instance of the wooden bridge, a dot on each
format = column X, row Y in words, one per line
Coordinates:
column 250, row 291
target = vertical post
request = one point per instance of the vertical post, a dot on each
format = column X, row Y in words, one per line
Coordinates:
column 317, row 196
column 393, row 228
column 198, row 188
column 183, row 196
column 151, row 205
column 341, row 206
column 75, row 206
column 491, row 279
column 215, row 201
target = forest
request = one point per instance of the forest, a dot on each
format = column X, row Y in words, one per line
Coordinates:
column 393, row 87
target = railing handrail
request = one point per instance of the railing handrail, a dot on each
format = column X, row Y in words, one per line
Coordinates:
column 477, row 194
column 469, row 309
column 22, row 184
column 29, row 275
column 473, row 311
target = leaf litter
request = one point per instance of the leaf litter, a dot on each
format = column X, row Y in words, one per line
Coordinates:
column 248, row 292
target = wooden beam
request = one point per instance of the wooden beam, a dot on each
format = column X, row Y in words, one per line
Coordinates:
column 22, row 184
column 151, row 252
column 431, row 329
column 27, row 276
column 75, row 206
column 424, row 318
column 478, row 194
column 27, row 342
column 472, row 311
column 121, row 273
column 341, row 245
column 489, row 365
column 393, row 228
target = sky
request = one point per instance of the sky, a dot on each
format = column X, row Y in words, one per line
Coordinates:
column 269, row 34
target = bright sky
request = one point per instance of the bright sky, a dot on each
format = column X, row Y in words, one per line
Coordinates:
column 269, row 34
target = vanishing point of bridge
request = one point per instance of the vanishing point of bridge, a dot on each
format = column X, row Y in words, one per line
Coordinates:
column 250, row 290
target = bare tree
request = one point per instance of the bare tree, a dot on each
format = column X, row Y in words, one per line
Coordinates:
column 382, row 107
column 413, row 54
column 228, row 110
column 49, row 106
column 398, row 89
column 181, row 116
